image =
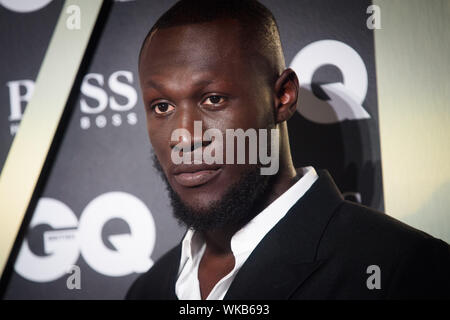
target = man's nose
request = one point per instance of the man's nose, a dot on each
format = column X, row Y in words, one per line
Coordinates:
column 191, row 137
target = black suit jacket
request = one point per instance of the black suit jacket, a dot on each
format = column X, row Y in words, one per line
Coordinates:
column 321, row 249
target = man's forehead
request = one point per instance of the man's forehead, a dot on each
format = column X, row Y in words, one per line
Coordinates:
column 203, row 44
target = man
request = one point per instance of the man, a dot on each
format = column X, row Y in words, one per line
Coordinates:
column 288, row 235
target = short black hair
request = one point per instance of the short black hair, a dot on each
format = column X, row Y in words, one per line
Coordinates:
column 261, row 28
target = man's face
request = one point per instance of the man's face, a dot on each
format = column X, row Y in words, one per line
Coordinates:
column 200, row 72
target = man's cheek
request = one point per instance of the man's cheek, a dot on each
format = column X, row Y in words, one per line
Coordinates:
column 157, row 138
column 158, row 150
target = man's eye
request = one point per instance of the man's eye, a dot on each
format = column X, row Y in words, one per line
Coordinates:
column 214, row 100
column 162, row 108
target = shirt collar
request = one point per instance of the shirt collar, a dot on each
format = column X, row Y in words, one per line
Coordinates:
column 247, row 238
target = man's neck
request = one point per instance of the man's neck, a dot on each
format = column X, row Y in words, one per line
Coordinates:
column 218, row 241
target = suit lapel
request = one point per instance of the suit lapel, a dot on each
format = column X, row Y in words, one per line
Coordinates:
column 286, row 256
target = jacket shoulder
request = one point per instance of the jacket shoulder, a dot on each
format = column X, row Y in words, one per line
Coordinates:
column 369, row 224
column 414, row 263
column 158, row 283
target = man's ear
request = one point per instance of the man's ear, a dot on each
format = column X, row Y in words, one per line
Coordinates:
column 286, row 95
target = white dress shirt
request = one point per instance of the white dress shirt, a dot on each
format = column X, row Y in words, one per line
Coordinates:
column 243, row 242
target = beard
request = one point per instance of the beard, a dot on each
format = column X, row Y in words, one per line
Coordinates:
column 240, row 203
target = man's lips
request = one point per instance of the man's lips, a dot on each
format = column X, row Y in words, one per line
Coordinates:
column 195, row 175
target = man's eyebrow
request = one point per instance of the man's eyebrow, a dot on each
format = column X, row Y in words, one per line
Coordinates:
column 159, row 86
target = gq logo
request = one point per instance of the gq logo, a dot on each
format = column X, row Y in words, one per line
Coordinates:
column 84, row 237
column 345, row 99
column 24, row 5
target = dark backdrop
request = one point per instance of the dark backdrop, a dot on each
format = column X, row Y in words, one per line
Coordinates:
column 103, row 199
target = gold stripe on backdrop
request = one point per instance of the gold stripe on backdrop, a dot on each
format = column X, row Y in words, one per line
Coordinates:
column 31, row 144
column 413, row 79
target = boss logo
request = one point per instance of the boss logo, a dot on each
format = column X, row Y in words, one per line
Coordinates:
column 96, row 100
column 99, row 106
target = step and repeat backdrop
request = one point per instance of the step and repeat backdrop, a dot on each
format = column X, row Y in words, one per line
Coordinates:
column 104, row 209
